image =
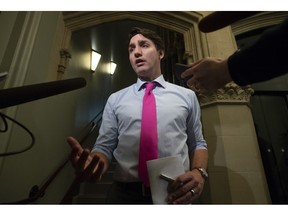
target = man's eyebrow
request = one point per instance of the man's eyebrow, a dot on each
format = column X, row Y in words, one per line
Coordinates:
column 143, row 41
column 140, row 42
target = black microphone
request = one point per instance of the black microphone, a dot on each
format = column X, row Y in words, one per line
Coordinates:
column 23, row 94
column 221, row 19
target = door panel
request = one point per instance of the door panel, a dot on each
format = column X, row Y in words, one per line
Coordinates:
column 270, row 113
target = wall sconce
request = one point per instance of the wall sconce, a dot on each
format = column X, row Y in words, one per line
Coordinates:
column 112, row 67
column 95, row 58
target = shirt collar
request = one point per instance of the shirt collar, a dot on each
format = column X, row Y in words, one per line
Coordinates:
column 159, row 80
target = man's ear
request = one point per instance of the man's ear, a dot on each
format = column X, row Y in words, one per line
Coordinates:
column 161, row 54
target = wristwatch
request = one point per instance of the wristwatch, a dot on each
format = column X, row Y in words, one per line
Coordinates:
column 202, row 171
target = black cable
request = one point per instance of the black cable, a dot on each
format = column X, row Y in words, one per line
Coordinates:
column 4, row 117
column 5, row 124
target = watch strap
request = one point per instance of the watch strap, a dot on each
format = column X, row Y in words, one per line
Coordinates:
column 202, row 171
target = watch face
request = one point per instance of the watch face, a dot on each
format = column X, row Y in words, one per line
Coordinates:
column 203, row 171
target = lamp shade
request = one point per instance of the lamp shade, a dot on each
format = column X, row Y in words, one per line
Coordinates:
column 112, row 67
column 95, row 58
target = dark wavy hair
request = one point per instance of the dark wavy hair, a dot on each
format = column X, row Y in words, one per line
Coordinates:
column 151, row 35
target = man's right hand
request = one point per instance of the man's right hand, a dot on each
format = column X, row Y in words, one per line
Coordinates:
column 88, row 166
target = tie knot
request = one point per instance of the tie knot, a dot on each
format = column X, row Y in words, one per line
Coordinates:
column 149, row 86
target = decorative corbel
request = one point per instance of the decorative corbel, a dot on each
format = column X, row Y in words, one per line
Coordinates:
column 65, row 56
column 230, row 93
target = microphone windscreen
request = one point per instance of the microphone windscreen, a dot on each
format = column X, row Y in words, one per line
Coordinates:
column 23, row 94
column 221, row 19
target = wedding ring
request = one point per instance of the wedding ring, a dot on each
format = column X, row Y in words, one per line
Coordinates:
column 193, row 192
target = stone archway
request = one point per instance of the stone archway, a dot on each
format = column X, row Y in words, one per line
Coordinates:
column 185, row 23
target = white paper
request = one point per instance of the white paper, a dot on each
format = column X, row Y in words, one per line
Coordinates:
column 170, row 166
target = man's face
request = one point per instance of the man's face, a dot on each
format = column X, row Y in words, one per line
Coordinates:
column 144, row 57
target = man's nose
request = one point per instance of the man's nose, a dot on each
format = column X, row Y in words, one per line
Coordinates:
column 137, row 52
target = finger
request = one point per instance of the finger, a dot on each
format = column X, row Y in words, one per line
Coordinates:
column 184, row 195
column 74, row 156
column 76, row 150
column 195, row 88
column 194, row 193
column 90, row 169
column 82, row 162
column 195, row 85
column 190, row 71
column 73, row 143
column 187, row 73
column 190, row 82
column 173, row 186
column 181, row 185
column 177, row 195
column 98, row 173
column 187, row 198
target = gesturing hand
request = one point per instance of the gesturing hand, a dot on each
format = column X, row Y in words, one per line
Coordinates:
column 88, row 166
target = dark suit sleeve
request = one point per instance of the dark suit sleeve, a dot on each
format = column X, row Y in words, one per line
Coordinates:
column 265, row 59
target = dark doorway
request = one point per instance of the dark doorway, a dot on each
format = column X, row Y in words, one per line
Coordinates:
column 270, row 114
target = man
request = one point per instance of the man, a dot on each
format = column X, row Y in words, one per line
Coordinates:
column 178, row 125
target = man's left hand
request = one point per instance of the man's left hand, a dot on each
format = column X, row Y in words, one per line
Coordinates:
column 186, row 188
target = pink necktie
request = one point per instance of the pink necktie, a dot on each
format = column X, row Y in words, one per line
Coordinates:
column 148, row 139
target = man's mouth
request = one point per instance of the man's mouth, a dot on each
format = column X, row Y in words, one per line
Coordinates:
column 139, row 62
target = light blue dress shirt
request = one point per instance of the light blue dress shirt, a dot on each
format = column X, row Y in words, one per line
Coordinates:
column 178, row 123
